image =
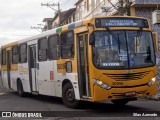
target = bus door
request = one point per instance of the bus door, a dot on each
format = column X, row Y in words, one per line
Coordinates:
column 83, row 72
column 32, row 67
column 9, row 68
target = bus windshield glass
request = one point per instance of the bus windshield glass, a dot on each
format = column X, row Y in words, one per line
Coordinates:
column 123, row 49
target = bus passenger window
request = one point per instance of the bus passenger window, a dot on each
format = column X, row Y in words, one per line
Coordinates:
column 42, row 49
column 53, row 47
column 4, row 57
column 23, row 53
column 15, row 54
column 67, row 45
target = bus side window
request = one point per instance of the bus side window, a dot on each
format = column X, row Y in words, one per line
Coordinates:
column 15, row 54
column 23, row 53
column 42, row 49
column 4, row 57
column 53, row 47
column 67, row 45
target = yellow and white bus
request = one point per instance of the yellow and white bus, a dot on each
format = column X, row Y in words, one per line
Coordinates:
column 95, row 59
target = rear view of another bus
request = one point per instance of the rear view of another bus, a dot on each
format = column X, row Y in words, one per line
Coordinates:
column 9, row 65
column 123, row 66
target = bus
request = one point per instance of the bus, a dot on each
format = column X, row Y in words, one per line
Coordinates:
column 94, row 59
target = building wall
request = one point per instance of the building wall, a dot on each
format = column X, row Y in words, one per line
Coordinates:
column 89, row 8
column 147, row 13
column 55, row 23
column 147, row 1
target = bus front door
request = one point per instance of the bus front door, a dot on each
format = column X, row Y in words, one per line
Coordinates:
column 83, row 73
column 32, row 67
column 9, row 68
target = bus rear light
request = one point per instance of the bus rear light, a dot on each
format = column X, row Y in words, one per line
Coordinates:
column 101, row 84
column 152, row 81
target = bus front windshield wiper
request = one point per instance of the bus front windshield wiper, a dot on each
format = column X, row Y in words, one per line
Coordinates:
column 139, row 33
column 116, row 37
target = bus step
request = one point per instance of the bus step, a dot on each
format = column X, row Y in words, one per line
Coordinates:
column 86, row 98
column 35, row 93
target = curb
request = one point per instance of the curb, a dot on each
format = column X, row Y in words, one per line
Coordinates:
column 155, row 97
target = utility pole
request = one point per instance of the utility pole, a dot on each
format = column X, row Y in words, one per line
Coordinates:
column 124, row 7
column 58, row 11
column 120, row 8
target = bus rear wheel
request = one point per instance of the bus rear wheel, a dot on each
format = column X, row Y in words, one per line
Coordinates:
column 20, row 89
column 68, row 96
column 120, row 101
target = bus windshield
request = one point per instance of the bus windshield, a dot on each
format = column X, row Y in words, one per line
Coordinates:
column 123, row 49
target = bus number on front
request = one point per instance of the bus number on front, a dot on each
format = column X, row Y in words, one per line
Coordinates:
column 117, row 83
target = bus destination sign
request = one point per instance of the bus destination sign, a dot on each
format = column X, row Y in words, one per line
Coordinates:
column 121, row 22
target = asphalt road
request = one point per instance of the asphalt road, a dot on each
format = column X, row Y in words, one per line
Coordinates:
column 10, row 101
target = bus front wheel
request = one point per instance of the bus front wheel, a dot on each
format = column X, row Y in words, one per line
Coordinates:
column 68, row 96
column 120, row 101
column 20, row 89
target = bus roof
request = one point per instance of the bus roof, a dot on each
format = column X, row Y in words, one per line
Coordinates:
column 68, row 27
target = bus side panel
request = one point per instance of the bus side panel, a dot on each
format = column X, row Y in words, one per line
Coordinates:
column 14, row 75
column 5, row 79
column 45, row 77
column 63, row 75
column 24, row 76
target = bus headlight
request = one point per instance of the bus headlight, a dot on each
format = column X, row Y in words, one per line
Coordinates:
column 152, row 81
column 101, row 84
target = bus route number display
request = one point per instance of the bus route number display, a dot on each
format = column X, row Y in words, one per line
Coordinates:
column 121, row 22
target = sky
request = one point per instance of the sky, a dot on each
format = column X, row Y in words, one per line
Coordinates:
column 18, row 16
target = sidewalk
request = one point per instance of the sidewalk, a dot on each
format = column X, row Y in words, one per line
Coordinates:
column 2, row 89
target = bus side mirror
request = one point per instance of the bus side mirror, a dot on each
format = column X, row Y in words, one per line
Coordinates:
column 68, row 66
column 155, row 40
column 91, row 40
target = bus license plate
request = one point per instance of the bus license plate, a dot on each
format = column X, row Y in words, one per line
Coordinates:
column 130, row 94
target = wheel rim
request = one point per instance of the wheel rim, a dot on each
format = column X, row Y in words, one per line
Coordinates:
column 70, row 96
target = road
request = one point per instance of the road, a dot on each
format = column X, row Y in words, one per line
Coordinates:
column 10, row 101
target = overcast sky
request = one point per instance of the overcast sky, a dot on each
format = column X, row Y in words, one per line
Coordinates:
column 17, row 17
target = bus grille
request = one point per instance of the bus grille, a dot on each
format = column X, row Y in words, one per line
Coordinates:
column 122, row 95
column 129, row 76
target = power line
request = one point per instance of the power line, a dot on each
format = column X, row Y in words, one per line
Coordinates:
column 37, row 28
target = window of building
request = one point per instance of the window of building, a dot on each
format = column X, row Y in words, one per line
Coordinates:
column 42, row 49
column 87, row 5
column 4, row 57
column 15, row 54
column 74, row 18
column 53, row 47
column 69, row 20
column 23, row 53
column 67, row 45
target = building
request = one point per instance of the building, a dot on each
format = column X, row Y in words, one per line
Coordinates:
column 48, row 24
column 66, row 17
column 89, row 8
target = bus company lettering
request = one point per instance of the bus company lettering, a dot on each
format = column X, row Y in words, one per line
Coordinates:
column 23, row 70
column 61, row 66
column 110, row 64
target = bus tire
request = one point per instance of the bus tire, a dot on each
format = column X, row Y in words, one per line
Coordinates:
column 20, row 89
column 68, row 96
column 120, row 102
